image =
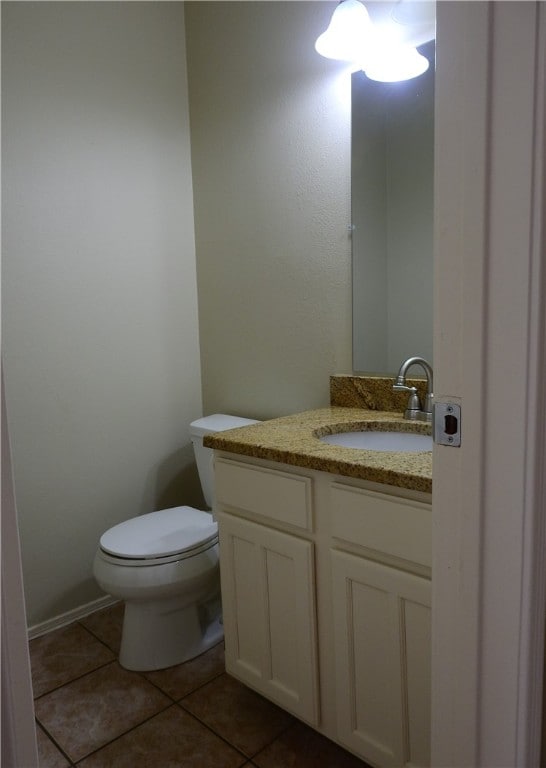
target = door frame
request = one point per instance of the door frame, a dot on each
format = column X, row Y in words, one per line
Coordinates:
column 489, row 351
column 18, row 728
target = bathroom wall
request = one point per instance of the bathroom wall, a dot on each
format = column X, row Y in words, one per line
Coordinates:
column 100, row 337
column 270, row 138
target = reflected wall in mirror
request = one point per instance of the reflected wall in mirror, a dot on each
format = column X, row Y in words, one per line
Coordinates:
column 392, row 214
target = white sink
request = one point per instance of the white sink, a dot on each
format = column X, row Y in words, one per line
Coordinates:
column 381, row 441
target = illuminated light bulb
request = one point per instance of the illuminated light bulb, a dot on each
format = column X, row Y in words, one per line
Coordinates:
column 414, row 12
column 348, row 32
column 394, row 64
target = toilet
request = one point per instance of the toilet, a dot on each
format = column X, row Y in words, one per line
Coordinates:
column 165, row 566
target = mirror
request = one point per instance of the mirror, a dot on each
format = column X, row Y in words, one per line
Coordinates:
column 392, row 171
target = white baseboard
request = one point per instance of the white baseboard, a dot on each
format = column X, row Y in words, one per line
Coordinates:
column 67, row 618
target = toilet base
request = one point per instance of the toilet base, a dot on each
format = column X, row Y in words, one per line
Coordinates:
column 160, row 634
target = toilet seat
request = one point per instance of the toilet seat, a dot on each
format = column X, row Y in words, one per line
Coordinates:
column 160, row 537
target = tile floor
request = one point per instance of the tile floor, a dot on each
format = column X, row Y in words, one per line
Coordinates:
column 92, row 713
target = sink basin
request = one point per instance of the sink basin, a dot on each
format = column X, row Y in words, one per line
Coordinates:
column 372, row 440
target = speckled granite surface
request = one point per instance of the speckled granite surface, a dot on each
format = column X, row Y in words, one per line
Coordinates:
column 373, row 392
column 295, row 440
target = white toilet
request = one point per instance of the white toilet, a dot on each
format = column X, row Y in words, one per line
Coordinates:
column 165, row 566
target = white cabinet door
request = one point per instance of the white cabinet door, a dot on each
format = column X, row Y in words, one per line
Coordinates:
column 269, row 613
column 382, row 647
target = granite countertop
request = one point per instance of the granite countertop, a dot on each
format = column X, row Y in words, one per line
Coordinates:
column 295, row 440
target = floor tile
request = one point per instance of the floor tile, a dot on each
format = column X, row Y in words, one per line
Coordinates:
column 106, row 625
column 236, row 713
column 48, row 754
column 169, row 740
column 302, row 747
column 86, row 714
column 64, row 655
column 103, row 716
column 181, row 680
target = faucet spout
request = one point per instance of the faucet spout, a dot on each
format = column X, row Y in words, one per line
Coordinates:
column 414, row 409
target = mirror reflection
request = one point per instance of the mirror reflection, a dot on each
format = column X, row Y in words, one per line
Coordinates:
column 392, row 215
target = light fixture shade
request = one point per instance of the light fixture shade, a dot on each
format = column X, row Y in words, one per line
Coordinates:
column 394, row 64
column 348, row 32
column 414, row 12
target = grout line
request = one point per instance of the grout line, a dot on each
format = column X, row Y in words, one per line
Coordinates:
column 174, row 704
column 99, row 639
column 55, row 742
column 231, row 744
column 73, row 679
column 215, row 733
column 155, row 685
column 281, row 733
column 164, row 692
column 121, row 735
column 199, row 687
column 247, row 758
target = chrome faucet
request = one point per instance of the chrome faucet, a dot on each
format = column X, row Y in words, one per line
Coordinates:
column 414, row 409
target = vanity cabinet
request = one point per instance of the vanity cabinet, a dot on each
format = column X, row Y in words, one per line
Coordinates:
column 381, row 608
column 268, row 584
column 326, row 602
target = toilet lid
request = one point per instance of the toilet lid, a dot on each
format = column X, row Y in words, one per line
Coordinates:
column 160, row 534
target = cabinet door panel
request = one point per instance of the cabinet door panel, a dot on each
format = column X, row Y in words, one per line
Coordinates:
column 382, row 645
column 281, row 577
column 416, row 626
column 376, row 667
column 269, row 613
column 246, row 610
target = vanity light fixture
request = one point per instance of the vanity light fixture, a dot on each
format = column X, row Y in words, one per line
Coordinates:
column 384, row 52
column 415, row 12
column 349, row 31
column 391, row 65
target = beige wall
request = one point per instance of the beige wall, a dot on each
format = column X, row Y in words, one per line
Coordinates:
column 101, row 345
column 100, row 340
column 270, row 136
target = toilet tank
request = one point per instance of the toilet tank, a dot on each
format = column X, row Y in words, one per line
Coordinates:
column 218, row 422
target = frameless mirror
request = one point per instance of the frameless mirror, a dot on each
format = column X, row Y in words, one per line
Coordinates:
column 392, row 216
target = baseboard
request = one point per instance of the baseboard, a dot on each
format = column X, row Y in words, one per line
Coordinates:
column 67, row 618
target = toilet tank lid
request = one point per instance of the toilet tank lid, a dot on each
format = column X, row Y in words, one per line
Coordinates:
column 218, row 422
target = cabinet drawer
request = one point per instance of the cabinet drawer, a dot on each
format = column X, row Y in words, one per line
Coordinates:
column 398, row 527
column 278, row 496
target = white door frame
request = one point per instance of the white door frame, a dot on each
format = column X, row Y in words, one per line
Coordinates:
column 18, row 729
column 490, row 356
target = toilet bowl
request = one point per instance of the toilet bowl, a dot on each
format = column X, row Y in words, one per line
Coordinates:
column 165, row 566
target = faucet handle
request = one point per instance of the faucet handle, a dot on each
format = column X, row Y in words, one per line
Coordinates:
column 399, row 387
column 414, row 402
